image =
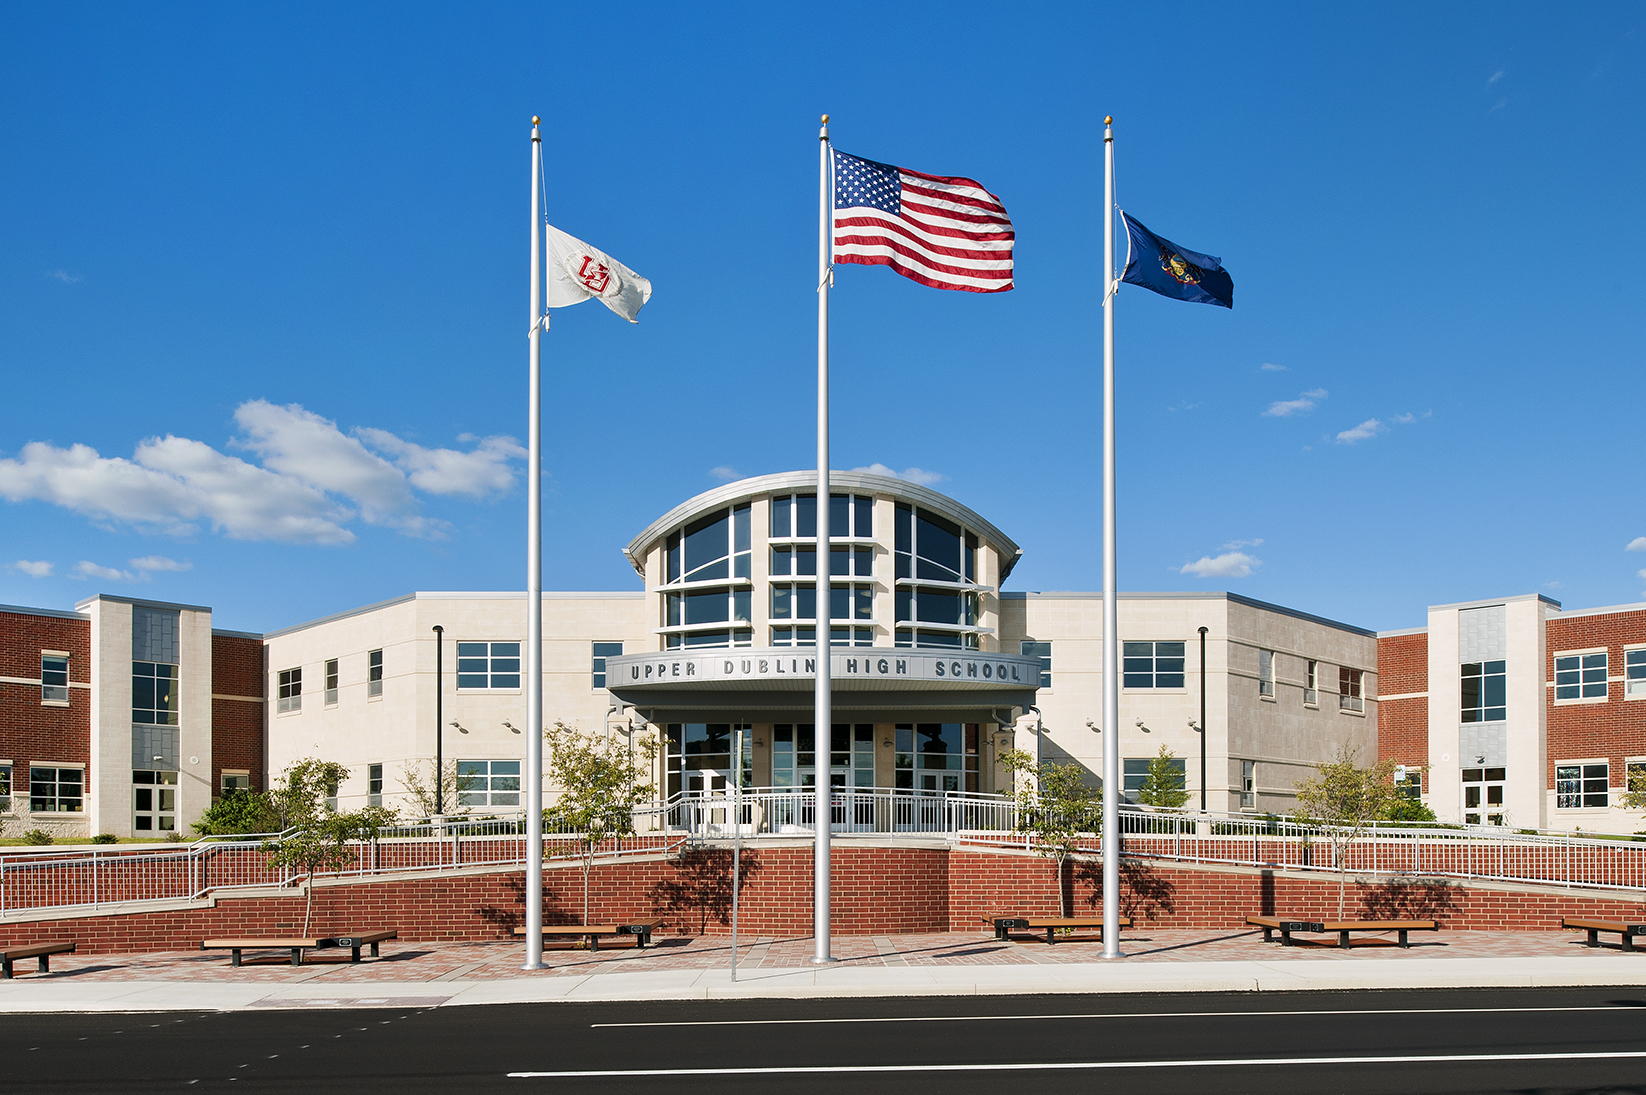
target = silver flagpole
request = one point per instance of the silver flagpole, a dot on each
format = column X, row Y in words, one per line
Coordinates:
column 737, row 830
column 1110, row 727
column 534, row 585
column 822, row 727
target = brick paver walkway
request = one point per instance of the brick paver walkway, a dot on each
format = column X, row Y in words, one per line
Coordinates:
column 413, row 962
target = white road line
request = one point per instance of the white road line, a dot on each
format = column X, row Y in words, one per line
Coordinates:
column 1066, row 1066
column 1119, row 1015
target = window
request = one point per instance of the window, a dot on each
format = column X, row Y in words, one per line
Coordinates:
column 1248, row 785
column 488, row 665
column 233, row 783
column 937, row 756
column 1152, row 665
column 331, row 797
column 1266, row 673
column 1634, row 672
column 1135, row 772
column 1484, row 690
column 794, row 516
column 488, row 783
column 1483, row 795
column 331, row 682
column 699, row 755
column 1311, row 683
column 154, row 801
column 54, row 678
column 602, row 651
column 1031, row 649
column 289, row 690
column 56, row 790
column 933, row 549
column 1410, row 784
column 1634, row 777
column 374, row 785
column 711, row 549
column 1580, row 786
column 5, row 788
column 1580, row 676
column 851, row 516
column 374, row 673
column 154, row 698
column 1348, row 689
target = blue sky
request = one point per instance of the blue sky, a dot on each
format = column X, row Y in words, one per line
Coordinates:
column 263, row 300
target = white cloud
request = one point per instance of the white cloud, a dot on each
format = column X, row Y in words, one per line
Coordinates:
column 911, row 475
column 1367, row 429
column 1183, row 407
column 86, row 569
column 159, row 563
column 64, row 276
column 1231, row 564
column 302, row 445
column 1495, row 77
column 1271, row 367
column 1404, row 419
column 40, row 569
column 1285, row 408
column 481, row 471
column 1637, row 544
column 1236, row 545
column 1499, row 105
column 725, row 474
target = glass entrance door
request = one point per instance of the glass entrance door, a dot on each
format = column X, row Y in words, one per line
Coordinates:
column 154, row 801
column 1483, row 796
column 851, row 765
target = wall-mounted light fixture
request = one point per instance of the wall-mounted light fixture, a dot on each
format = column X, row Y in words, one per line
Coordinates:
column 1093, row 727
column 459, row 728
column 511, row 726
column 1143, row 728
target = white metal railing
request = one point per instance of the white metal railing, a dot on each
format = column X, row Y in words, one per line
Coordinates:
column 792, row 811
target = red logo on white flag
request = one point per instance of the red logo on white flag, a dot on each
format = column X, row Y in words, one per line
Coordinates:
column 592, row 274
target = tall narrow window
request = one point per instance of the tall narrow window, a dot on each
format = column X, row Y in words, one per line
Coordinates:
column 602, row 651
column 1485, row 692
column 289, row 690
column 1266, row 673
column 54, row 678
column 1031, row 649
column 1311, row 683
column 331, row 681
column 1248, row 785
column 5, row 788
column 1348, row 689
column 1634, row 672
column 374, row 673
column 154, row 698
column 1580, row 677
column 374, row 785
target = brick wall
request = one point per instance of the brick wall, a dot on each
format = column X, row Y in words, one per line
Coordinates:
column 1615, row 729
column 30, row 731
column 875, row 891
column 236, row 724
column 1403, row 725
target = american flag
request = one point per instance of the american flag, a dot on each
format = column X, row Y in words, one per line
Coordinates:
column 948, row 233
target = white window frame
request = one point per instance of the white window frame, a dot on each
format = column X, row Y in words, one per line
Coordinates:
column 1043, row 651
column 1630, row 765
column 1154, row 671
column 1311, row 684
column 374, row 684
column 288, row 690
column 1630, row 691
column 1583, row 777
column 1352, row 702
column 59, row 697
column 85, row 791
column 232, row 773
column 8, row 800
column 330, row 678
column 597, row 660
column 1266, row 674
column 491, row 673
column 1583, row 671
column 1248, row 785
column 374, row 776
column 491, row 797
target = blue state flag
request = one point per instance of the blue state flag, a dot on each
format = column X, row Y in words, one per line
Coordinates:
column 1157, row 263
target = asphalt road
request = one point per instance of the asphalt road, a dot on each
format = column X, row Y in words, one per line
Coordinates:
column 1541, row 1041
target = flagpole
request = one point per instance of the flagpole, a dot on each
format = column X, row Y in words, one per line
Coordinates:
column 822, row 726
column 1110, row 726
column 534, row 583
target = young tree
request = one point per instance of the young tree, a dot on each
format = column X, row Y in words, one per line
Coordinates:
column 1345, row 799
column 321, row 837
column 418, row 780
column 600, row 783
column 1054, row 806
column 1634, row 790
column 1164, row 785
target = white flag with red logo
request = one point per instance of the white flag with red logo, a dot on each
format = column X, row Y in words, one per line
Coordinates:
column 578, row 272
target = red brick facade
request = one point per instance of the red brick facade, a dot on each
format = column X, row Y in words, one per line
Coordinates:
column 1403, row 724
column 1591, row 730
column 31, row 731
column 875, row 891
column 237, row 723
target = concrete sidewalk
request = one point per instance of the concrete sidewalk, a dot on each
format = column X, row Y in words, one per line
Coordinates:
column 414, row 975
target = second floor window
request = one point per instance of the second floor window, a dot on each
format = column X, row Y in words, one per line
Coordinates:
column 154, row 698
column 1266, row 673
column 374, row 673
column 1348, row 689
column 1152, row 665
column 1485, row 688
column 331, row 681
column 1311, row 683
column 1634, row 672
column 1580, row 677
column 1031, row 649
column 289, row 690
column 488, row 665
column 54, row 678
column 711, row 549
column 602, row 651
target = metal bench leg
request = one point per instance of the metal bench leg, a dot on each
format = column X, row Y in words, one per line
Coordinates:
column 5, row 969
column 1628, row 942
column 45, row 960
column 356, row 956
column 234, row 956
column 1343, row 940
column 594, row 942
column 297, row 956
column 1405, row 940
column 374, row 950
column 1050, row 935
column 1285, row 938
column 1268, row 935
column 1594, row 937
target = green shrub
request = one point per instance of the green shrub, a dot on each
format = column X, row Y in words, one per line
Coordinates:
column 38, row 836
column 105, row 838
column 239, row 812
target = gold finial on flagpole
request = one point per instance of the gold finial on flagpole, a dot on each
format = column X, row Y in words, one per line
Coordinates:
column 1108, row 119
column 535, row 119
column 825, row 119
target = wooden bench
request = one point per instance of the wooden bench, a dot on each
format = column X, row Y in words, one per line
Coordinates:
column 1595, row 927
column 352, row 943
column 42, row 951
column 1004, row 925
column 1272, row 924
column 640, row 929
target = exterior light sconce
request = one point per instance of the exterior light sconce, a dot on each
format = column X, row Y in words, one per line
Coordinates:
column 1143, row 728
column 460, row 729
column 1093, row 727
column 159, row 758
column 511, row 726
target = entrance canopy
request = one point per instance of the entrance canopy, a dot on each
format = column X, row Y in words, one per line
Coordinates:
column 776, row 683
